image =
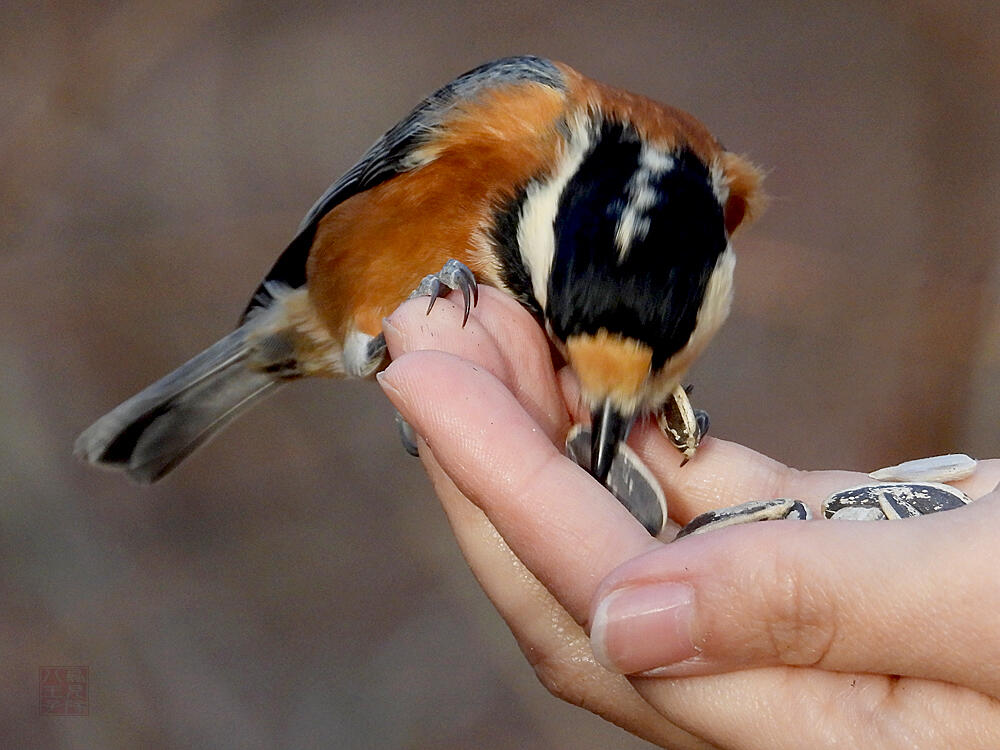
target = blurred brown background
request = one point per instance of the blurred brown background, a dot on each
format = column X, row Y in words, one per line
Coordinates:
column 294, row 584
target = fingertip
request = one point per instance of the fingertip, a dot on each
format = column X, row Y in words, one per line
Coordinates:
column 644, row 627
column 429, row 373
column 385, row 380
column 598, row 626
column 786, row 593
column 410, row 313
column 393, row 335
column 393, row 380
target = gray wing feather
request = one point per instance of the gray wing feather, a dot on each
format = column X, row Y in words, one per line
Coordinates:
column 153, row 431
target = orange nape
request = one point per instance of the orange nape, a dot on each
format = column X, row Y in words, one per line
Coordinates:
column 373, row 249
column 747, row 199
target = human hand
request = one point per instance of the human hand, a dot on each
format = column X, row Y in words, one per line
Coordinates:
column 776, row 634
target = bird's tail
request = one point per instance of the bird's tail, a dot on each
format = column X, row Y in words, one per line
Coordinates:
column 153, row 431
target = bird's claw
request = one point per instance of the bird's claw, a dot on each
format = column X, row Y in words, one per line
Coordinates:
column 454, row 275
column 683, row 425
column 407, row 436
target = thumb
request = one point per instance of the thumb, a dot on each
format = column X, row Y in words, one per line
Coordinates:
column 915, row 597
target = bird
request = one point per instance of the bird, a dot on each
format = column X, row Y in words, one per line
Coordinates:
column 606, row 214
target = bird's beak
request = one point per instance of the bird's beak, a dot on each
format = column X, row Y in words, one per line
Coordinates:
column 609, row 427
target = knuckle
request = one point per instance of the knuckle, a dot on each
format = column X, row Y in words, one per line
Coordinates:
column 566, row 673
column 800, row 620
column 556, row 675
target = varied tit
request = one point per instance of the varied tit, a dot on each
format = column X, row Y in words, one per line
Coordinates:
column 604, row 213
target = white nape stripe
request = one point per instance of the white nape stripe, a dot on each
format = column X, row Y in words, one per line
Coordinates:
column 634, row 224
column 719, row 184
column 536, row 229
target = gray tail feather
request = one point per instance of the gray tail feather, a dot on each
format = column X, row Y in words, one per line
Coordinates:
column 153, row 431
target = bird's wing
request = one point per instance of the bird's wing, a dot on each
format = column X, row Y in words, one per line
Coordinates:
column 388, row 156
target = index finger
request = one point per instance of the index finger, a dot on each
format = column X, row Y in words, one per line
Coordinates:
column 721, row 474
column 566, row 528
column 724, row 473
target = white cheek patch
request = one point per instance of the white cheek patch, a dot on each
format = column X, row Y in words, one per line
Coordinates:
column 536, row 229
column 711, row 315
column 717, row 301
column 642, row 195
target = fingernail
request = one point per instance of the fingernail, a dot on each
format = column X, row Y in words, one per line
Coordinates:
column 394, row 338
column 644, row 627
column 388, row 327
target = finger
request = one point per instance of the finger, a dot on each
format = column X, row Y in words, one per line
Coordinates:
column 983, row 481
column 724, row 473
column 915, row 597
column 567, row 529
column 554, row 644
column 720, row 474
column 787, row 708
column 500, row 335
column 763, row 708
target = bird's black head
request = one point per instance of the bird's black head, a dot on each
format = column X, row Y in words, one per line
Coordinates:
column 625, row 250
column 638, row 234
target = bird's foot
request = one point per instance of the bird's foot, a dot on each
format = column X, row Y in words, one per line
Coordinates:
column 407, row 435
column 454, row 275
column 683, row 425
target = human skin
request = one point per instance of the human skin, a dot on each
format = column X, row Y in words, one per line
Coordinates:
column 771, row 635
